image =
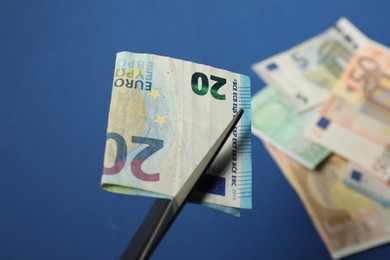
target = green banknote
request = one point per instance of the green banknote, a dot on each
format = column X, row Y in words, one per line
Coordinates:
column 164, row 116
column 276, row 121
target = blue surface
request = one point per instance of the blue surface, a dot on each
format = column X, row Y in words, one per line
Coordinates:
column 56, row 69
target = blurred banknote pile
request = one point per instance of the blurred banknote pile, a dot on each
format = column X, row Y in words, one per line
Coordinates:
column 325, row 119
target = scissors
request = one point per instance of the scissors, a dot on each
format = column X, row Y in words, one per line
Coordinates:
column 164, row 211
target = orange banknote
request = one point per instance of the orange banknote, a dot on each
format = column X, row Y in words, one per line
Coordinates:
column 355, row 120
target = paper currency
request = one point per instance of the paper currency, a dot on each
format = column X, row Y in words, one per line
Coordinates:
column 164, row 116
column 359, row 179
column 355, row 121
column 305, row 74
column 275, row 121
column 347, row 221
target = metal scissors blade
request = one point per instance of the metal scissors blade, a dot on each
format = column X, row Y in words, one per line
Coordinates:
column 164, row 211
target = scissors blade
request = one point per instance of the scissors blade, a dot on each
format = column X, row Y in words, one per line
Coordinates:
column 164, row 211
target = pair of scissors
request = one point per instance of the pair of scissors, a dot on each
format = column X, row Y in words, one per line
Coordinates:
column 164, row 211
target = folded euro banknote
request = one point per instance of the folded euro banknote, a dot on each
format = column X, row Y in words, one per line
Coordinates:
column 305, row 74
column 165, row 114
column 347, row 221
column 354, row 122
column 275, row 121
column 361, row 180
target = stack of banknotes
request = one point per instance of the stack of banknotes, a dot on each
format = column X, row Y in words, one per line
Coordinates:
column 325, row 119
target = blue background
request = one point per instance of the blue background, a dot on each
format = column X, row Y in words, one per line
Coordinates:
column 56, row 69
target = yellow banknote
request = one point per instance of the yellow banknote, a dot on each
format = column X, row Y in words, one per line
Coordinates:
column 347, row 221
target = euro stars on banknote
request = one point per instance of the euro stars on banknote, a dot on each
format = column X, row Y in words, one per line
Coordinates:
column 275, row 121
column 164, row 116
column 305, row 74
column 361, row 180
column 355, row 120
column 347, row 221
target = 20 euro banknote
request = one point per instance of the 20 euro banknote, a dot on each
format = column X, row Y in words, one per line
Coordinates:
column 305, row 74
column 164, row 115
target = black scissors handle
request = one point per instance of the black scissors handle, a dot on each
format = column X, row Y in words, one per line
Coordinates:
column 164, row 211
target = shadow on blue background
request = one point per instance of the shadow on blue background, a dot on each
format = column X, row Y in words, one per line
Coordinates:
column 56, row 68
